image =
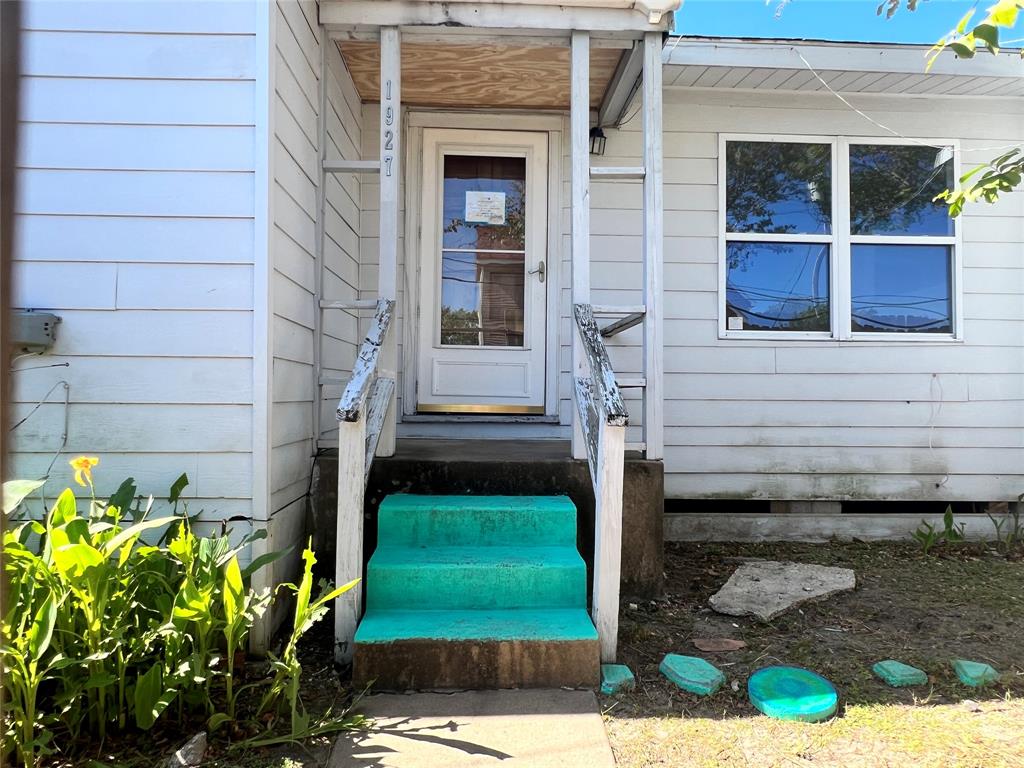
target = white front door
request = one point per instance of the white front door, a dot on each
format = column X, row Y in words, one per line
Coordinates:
column 483, row 266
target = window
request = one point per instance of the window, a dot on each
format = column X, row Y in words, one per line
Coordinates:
column 837, row 238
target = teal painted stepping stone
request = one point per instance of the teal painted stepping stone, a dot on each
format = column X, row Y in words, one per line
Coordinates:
column 792, row 693
column 692, row 674
column 898, row 675
column 974, row 673
column 616, row 678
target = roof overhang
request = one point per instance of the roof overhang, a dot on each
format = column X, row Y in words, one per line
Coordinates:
column 613, row 16
column 795, row 65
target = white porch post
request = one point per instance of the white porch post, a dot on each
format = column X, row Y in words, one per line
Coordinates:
column 390, row 154
column 653, row 240
column 579, row 131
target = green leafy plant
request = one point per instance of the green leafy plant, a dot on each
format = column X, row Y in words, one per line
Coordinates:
column 287, row 669
column 106, row 630
column 1009, row 529
column 927, row 536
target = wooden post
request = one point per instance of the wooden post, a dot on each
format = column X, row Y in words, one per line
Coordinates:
column 608, row 536
column 390, row 168
column 579, row 130
column 349, row 564
column 653, row 244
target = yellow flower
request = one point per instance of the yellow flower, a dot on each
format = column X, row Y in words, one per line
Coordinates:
column 83, row 468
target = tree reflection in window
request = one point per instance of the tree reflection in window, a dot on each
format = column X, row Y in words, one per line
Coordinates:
column 893, row 189
column 778, row 187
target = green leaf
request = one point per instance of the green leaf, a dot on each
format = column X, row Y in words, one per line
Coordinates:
column 233, row 591
column 64, row 510
column 41, row 631
column 989, row 35
column 217, row 720
column 15, row 492
column 962, row 50
column 75, row 559
column 262, row 560
column 1004, row 13
column 123, row 497
column 128, row 533
column 151, row 698
column 177, row 487
column 335, row 593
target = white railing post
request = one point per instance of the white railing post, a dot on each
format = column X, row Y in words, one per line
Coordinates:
column 611, row 446
column 653, row 243
column 390, row 144
column 349, row 563
column 579, row 130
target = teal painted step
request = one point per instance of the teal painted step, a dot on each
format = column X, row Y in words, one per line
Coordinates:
column 545, row 624
column 441, row 578
column 477, row 521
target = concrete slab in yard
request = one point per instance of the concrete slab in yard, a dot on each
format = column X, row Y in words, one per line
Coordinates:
column 536, row 728
column 767, row 588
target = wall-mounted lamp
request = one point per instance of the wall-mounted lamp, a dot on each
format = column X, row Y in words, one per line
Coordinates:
column 597, row 140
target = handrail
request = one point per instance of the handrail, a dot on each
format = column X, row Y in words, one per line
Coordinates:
column 610, row 399
column 603, row 419
column 362, row 412
column 364, row 371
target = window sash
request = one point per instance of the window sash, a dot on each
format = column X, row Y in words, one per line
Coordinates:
column 841, row 243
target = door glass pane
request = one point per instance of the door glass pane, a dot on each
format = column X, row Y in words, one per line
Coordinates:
column 483, row 257
column 902, row 288
column 484, row 202
column 778, row 187
column 777, row 287
column 893, row 189
column 482, row 299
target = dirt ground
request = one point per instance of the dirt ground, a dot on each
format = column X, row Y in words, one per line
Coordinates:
column 925, row 611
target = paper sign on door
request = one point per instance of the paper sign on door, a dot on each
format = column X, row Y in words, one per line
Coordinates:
column 485, row 207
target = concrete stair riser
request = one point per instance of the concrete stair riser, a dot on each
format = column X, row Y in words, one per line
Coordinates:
column 477, row 521
column 476, row 577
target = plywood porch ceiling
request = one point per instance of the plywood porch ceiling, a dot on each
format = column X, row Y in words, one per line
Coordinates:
column 440, row 75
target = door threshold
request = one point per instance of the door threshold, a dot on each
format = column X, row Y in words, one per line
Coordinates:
column 481, row 418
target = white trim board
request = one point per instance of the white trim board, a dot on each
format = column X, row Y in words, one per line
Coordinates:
column 727, row 526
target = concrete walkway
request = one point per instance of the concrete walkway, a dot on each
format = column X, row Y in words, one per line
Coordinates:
column 513, row 729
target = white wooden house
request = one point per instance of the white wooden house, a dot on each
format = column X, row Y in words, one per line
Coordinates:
column 220, row 200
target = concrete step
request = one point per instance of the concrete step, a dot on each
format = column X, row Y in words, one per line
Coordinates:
column 516, row 648
column 406, row 519
column 475, row 577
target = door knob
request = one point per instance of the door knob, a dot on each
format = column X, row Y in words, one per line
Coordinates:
column 539, row 271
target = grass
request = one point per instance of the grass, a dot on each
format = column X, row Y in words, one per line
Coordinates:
column 967, row 602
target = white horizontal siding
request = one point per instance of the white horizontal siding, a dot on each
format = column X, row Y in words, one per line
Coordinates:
column 850, row 420
column 135, row 224
column 299, row 81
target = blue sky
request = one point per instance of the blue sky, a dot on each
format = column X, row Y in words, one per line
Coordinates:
column 843, row 20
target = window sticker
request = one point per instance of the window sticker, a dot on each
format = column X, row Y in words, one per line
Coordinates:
column 485, row 208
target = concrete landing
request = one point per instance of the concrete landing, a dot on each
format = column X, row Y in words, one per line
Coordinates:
column 514, row 729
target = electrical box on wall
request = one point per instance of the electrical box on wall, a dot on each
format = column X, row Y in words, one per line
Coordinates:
column 32, row 331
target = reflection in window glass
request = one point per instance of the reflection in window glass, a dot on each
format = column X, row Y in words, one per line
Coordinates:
column 892, row 190
column 483, row 256
column 495, row 222
column 777, row 286
column 778, row 187
column 482, row 299
column 902, row 288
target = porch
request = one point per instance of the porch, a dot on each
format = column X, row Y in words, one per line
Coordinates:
column 439, row 358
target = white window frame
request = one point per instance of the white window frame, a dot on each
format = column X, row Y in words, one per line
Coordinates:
column 840, row 245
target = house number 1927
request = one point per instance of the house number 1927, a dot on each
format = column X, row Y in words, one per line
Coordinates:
column 388, row 144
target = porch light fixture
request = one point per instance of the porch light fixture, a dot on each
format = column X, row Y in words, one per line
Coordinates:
column 597, row 140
